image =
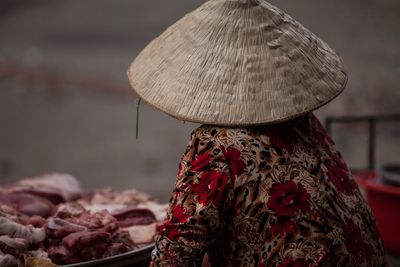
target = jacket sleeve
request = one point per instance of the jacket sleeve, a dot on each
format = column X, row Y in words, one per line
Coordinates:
column 194, row 214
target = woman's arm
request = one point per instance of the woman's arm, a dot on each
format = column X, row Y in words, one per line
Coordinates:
column 194, row 214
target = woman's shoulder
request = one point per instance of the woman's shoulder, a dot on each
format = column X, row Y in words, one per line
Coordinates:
column 287, row 130
column 221, row 131
column 224, row 135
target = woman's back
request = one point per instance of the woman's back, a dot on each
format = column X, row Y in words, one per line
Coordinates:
column 273, row 195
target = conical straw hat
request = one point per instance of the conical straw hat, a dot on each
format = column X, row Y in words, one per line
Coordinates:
column 237, row 62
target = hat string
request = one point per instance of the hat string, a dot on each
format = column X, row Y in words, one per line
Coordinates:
column 137, row 117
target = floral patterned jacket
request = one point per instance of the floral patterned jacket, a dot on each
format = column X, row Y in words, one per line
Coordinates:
column 272, row 195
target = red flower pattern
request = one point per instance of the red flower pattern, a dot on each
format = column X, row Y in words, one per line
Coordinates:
column 236, row 164
column 202, row 190
column 211, row 188
column 179, row 215
column 168, row 229
column 287, row 198
column 201, row 162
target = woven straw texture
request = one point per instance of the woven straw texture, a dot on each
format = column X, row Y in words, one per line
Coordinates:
column 237, row 63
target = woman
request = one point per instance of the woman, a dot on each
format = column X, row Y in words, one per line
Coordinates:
column 261, row 182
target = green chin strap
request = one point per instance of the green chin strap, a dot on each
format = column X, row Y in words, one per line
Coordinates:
column 137, row 117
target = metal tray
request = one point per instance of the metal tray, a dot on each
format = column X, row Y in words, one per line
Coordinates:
column 138, row 258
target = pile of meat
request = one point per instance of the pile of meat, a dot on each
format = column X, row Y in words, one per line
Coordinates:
column 48, row 220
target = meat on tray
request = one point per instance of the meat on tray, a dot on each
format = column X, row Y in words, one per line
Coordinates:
column 49, row 220
column 55, row 187
column 107, row 196
column 113, row 201
column 133, row 216
column 34, row 261
column 79, row 235
column 14, row 229
column 7, row 260
column 18, row 241
column 142, row 234
column 26, row 204
column 37, row 196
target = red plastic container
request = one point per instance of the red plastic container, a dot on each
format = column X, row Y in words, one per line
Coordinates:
column 384, row 201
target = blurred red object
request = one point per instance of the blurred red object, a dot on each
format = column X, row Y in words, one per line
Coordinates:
column 384, row 200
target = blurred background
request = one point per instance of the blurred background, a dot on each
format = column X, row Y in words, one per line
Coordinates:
column 66, row 106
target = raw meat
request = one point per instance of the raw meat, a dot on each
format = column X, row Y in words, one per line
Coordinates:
column 79, row 235
column 16, row 230
column 85, row 246
column 25, row 203
column 36, row 221
column 13, row 246
column 55, row 187
column 108, row 207
column 47, row 220
column 69, row 210
column 133, row 216
column 121, row 243
column 142, row 234
column 159, row 210
column 7, row 260
column 107, row 196
column 32, row 261
column 60, row 228
column 37, row 196
column 113, row 201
